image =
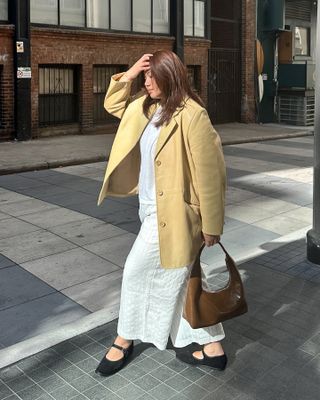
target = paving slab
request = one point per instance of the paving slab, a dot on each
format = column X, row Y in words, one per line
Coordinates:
column 87, row 231
column 12, row 227
column 33, row 245
column 53, row 217
column 96, row 294
column 69, row 268
column 37, row 316
column 18, row 208
column 18, row 286
column 114, row 249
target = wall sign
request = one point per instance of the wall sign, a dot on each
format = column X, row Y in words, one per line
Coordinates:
column 20, row 47
column 24, row 73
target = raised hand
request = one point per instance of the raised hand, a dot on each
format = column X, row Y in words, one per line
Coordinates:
column 143, row 64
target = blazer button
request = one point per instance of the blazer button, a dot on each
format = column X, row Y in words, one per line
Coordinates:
column 160, row 193
column 162, row 224
column 158, row 162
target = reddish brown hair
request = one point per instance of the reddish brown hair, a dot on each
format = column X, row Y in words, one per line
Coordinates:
column 171, row 77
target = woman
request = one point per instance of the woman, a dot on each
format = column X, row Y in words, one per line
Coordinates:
column 167, row 151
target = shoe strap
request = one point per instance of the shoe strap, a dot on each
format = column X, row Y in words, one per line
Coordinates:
column 123, row 349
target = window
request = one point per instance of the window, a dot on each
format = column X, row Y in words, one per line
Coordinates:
column 141, row 16
column 121, row 15
column 188, row 17
column 98, row 14
column 58, row 95
column 101, row 80
column 194, row 18
column 72, row 12
column 149, row 16
column 4, row 10
column 302, row 41
column 44, row 11
column 160, row 16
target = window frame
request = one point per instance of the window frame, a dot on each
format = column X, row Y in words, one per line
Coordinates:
column 292, row 24
column 109, row 30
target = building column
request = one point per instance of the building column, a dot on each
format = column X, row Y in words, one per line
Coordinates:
column 177, row 26
column 248, row 30
column 19, row 14
column 313, row 236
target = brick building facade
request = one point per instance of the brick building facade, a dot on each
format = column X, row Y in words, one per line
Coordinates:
column 84, row 57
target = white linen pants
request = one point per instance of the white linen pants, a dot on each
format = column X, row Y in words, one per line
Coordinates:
column 152, row 297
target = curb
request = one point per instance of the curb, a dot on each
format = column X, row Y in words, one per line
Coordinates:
column 93, row 159
column 52, row 164
column 268, row 137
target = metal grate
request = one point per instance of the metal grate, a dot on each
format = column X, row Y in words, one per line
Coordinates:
column 224, row 98
column 58, row 95
column 296, row 110
column 101, row 79
column 299, row 9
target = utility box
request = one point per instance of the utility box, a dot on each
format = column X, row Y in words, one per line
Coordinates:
column 297, row 76
column 274, row 15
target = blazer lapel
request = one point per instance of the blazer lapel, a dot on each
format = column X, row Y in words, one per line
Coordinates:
column 165, row 132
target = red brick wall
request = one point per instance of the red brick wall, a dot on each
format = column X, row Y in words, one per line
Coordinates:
column 56, row 46
column 248, row 111
column 7, row 82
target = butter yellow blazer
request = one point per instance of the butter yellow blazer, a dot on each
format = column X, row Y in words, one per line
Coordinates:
column 189, row 172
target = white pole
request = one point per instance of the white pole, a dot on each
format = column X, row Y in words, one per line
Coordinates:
column 313, row 236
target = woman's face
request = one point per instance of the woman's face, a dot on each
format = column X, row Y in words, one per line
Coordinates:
column 151, row 86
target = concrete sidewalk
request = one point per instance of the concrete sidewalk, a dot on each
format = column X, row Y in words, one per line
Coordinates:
column 273, row 350
column 62, row 256
column 81, row 149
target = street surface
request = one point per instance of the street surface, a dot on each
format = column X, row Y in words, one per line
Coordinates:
column 60, row 272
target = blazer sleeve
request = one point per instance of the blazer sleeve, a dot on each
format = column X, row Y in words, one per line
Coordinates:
column 210, row 172
column 118, row 96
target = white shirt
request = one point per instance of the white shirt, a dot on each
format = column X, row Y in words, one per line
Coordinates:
column 148, row 142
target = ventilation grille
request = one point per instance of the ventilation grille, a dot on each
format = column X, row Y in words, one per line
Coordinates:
column 299, row 9
column 296, row 110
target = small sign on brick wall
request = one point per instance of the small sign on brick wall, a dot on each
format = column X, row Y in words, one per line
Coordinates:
column 20, row 47
column 24, row 72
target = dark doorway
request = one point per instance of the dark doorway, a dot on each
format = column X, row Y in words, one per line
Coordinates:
column 224, row 90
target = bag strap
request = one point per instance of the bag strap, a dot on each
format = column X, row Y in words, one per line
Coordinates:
column 220, row 244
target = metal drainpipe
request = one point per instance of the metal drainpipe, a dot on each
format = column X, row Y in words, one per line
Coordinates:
column 313, row 235
column 177, row 26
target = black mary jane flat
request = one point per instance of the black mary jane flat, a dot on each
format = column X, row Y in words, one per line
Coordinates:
column 215, row 362
column 108, row 367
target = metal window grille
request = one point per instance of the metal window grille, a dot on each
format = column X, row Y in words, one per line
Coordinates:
column 101, row 79
column 194, row 77
column 58, row 95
